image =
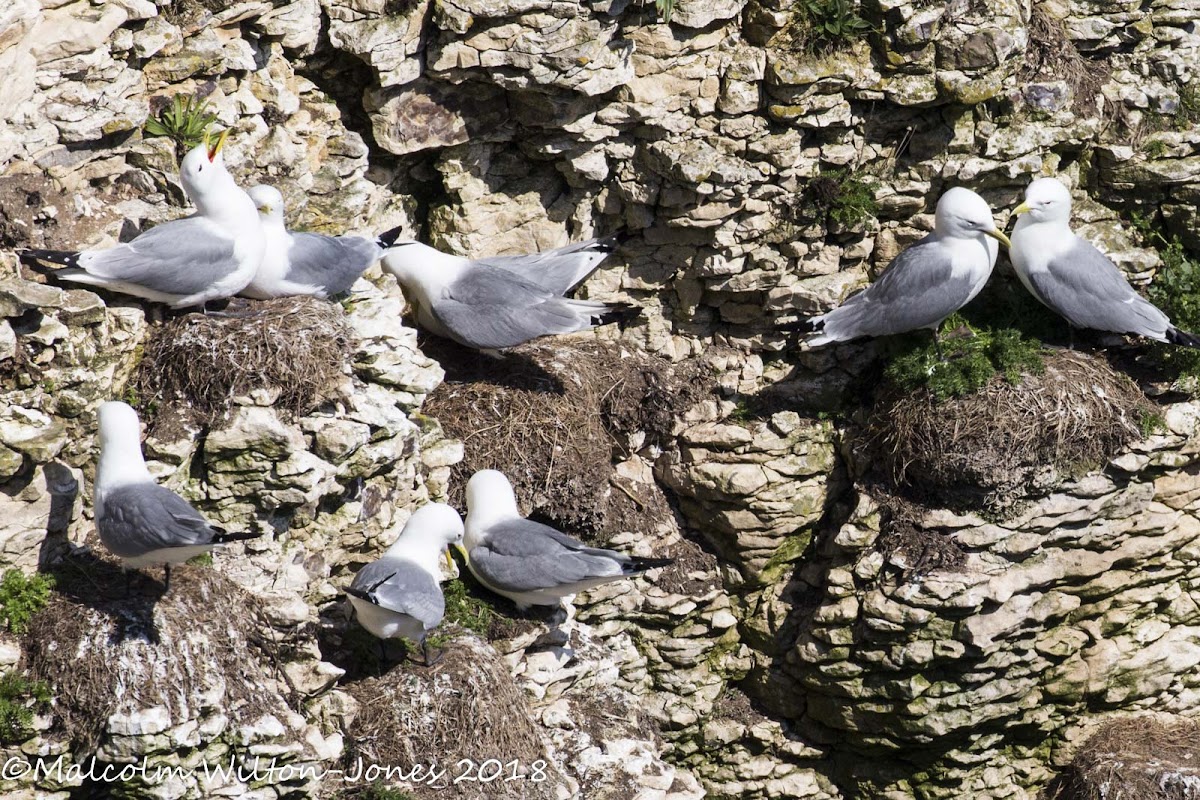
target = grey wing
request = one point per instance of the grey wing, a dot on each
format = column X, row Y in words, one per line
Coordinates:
column 1088, row 289
column 183, row 257
column 491, row 308
column 917, row 290
column 403, row 587
column 334, row 263
column 522, row 556
column 143, row 517
column 560, row 270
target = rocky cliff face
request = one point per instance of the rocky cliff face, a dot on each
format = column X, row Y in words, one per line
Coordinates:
column 818, row 638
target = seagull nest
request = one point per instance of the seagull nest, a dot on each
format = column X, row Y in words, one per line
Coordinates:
column 466, row 707
column 1006, row 440
column 296, row 346
column 1139, row 758
column 103, row 652
column 553, row 418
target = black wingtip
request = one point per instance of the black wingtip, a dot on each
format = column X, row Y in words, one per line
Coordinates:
column 34, row 258
column 805, row 325
column 388, row 238
column 619, row 312
column 609, row 243
column 222, row 536
column 1176, row 336
column 360, row 594
column 636, row 564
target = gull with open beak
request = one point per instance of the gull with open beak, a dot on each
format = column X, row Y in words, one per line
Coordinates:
column 210, row 255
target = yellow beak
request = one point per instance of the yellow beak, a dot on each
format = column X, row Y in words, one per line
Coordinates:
column 1000, row 237
column 213, row 149
column 264, row 209
column 1021, row 209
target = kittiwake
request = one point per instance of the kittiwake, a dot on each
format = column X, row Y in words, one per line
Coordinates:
column 1074, row 279
column 210, row 255
column 927, row 282
column 490, row 306
column 530, row 563
column 139, row 521
column 297, row 263
column 399, row 595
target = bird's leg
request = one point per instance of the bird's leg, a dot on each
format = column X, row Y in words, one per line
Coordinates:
column 166, row 578
column 937, row 345
column 426, row 659
column 382, row 655
column 1070, row 336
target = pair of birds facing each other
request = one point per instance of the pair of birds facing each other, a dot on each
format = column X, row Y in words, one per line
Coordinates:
column 399, row 595
column 944, row 271
column 237, row 243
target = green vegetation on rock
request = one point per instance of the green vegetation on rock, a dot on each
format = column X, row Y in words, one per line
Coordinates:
column 831, row 24
column 466, row 610
column 841, row 197
column 184, row 120
column 16, row 712
column 972, row 356
column 1175, row 290
column 21, row 597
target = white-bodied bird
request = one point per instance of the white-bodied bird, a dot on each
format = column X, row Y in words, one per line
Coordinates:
column 210, row 255
column 501, row 302
column 1074, row 279
column 927, row 282
column 300, row 263
column 400, row 594
column 530, row 563
column 140, row 522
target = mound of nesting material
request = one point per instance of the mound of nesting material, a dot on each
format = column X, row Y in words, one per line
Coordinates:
column 296, row 346
column 466, row 706
column 196, row 653
column 1139, row 758
column 553, row 418
column 1006, row 440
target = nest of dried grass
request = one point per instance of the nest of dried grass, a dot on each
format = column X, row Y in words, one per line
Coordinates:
column 1139, row 758
column 1052, row 55
column 298, row 346
column 467, row 706
column 992, row 446
column 106, row 654
column 553, row 417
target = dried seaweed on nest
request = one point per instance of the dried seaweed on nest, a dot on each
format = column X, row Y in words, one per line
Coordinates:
column 1007, row 439
column 467, row 706
column 1138, row 758
column 552, row 417
column 296, row 345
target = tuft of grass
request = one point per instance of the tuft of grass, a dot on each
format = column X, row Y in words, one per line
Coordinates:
column 842, row 198
column 21, row 597
column 831, row 24
column 184, row 120
column 970, row 360
column 466, row 610
column 1189, row 103
column 1155, row 148
column 665, row 8
column 16, row 710
column 1150, row 423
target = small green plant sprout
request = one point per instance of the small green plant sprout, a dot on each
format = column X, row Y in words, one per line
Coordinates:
column 18, row 697
column 832, row 24
column 185, row 120
column 21, row 597
column 972, row 357
column 665, row 8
